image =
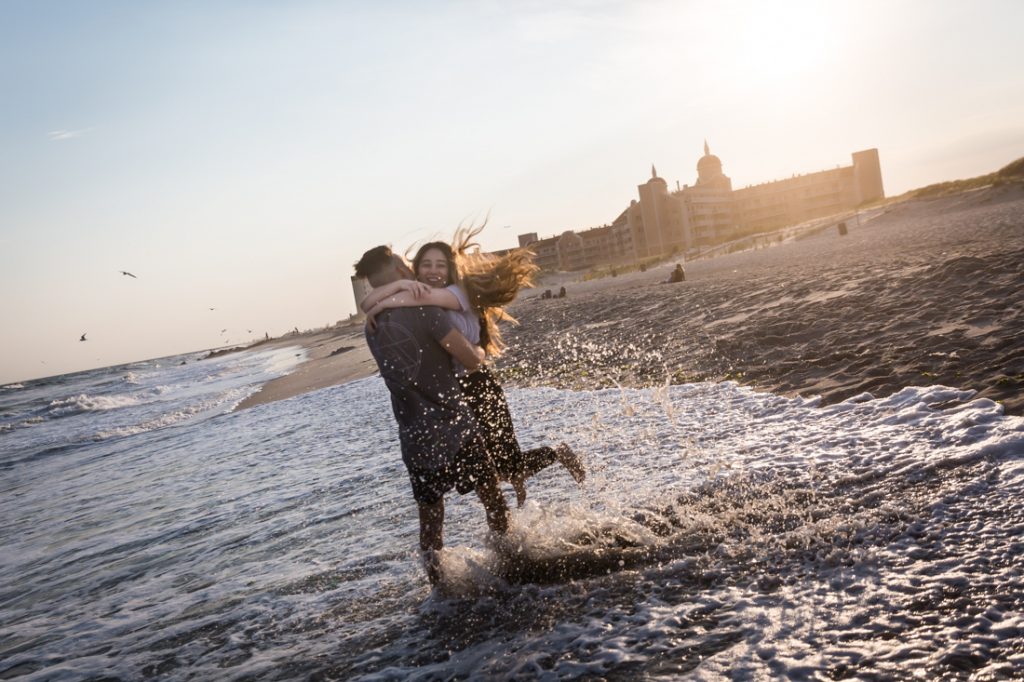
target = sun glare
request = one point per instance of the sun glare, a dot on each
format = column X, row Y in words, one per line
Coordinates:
column 777, row 42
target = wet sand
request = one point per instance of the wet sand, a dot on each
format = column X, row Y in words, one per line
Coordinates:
column 924, row 292
column 334, row 356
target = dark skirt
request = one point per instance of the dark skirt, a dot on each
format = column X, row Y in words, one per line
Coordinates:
column 469, row 465
column 487, row 400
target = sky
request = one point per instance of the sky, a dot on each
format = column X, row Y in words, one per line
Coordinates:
column 239, row 157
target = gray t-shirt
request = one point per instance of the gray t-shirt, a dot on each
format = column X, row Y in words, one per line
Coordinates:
column 434, row 420
column 465, row 320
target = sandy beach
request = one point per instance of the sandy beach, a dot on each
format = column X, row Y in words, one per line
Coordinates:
column 333, row 356
column 924, row 292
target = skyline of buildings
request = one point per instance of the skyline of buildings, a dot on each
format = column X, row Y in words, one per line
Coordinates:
column 661, row 223
column 681, row 223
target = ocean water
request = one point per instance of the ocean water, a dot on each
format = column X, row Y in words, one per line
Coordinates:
column 150, row 532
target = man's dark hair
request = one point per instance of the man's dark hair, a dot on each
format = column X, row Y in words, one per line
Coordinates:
column 374, row 260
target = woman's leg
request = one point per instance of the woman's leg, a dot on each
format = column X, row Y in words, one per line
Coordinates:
column 539, row 458
column 487, row 399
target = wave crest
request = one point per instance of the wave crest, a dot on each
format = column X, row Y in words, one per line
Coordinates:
column 87, row 403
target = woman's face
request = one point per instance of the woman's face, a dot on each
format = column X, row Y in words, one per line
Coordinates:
column 433, row 269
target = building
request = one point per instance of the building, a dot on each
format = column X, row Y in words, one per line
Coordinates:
column 661, row 223
column 360, row 289
column 708, row 205
column 656, row 222
column 772, row 205
column 605, row 245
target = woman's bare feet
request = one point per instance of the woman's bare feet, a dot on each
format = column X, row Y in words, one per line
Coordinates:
column 571, row 461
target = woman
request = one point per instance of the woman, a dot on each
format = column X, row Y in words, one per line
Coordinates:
column 474, row 289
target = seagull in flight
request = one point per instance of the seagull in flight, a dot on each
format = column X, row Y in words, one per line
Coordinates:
column 125, row 272
column 83, row 337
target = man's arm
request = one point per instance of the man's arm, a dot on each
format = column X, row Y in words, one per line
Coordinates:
column 462, row 350
column 442, row 298
column 411, row 287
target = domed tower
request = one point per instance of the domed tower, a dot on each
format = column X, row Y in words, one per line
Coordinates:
column 655, row 226
column 710, row 214
column 709, row 166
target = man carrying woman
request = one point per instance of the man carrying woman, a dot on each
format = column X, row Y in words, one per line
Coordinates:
column 441, row 444
column 474, row 288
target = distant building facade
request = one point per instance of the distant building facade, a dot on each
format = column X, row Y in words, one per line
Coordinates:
column 772, row 205
column 661, row 223
column 360, row 289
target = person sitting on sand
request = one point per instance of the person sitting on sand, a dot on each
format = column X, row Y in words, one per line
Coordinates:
column 442, row 447
column 475, row 290
column 677, row 275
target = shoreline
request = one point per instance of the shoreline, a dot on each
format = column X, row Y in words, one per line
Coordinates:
column 925, row 293
column 334, row 357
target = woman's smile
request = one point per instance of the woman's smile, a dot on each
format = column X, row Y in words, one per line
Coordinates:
column 433, row 269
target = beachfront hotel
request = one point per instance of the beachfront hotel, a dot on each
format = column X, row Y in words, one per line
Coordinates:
column 662, row 223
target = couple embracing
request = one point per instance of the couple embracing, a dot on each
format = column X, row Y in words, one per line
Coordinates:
column 432, row 329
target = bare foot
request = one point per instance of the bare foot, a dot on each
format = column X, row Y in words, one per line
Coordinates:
column 571, row 461
column 519, row 485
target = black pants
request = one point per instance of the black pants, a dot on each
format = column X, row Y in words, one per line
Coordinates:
column 469, row 465
column 487, row 400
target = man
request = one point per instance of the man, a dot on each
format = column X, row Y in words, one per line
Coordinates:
column 441, row 446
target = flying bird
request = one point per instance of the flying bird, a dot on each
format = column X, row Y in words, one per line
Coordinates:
column 125, row 272
column 83, row 337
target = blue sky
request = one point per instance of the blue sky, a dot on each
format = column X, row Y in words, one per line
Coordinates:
column 241, row 155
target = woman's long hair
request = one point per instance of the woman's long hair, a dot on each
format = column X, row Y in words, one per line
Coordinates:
column 490, row 281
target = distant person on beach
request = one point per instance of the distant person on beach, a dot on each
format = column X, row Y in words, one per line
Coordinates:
column 677, row 275
column 441, row 444
column 475, row 289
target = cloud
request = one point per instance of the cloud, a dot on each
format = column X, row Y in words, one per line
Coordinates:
column 56, row 135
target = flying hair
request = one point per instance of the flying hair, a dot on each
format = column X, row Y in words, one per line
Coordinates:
column 491, row 281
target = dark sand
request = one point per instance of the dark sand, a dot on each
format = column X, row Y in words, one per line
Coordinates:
column 926, row 292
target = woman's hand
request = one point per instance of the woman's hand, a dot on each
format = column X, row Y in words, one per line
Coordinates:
column 371, row 319
column 417, row 289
